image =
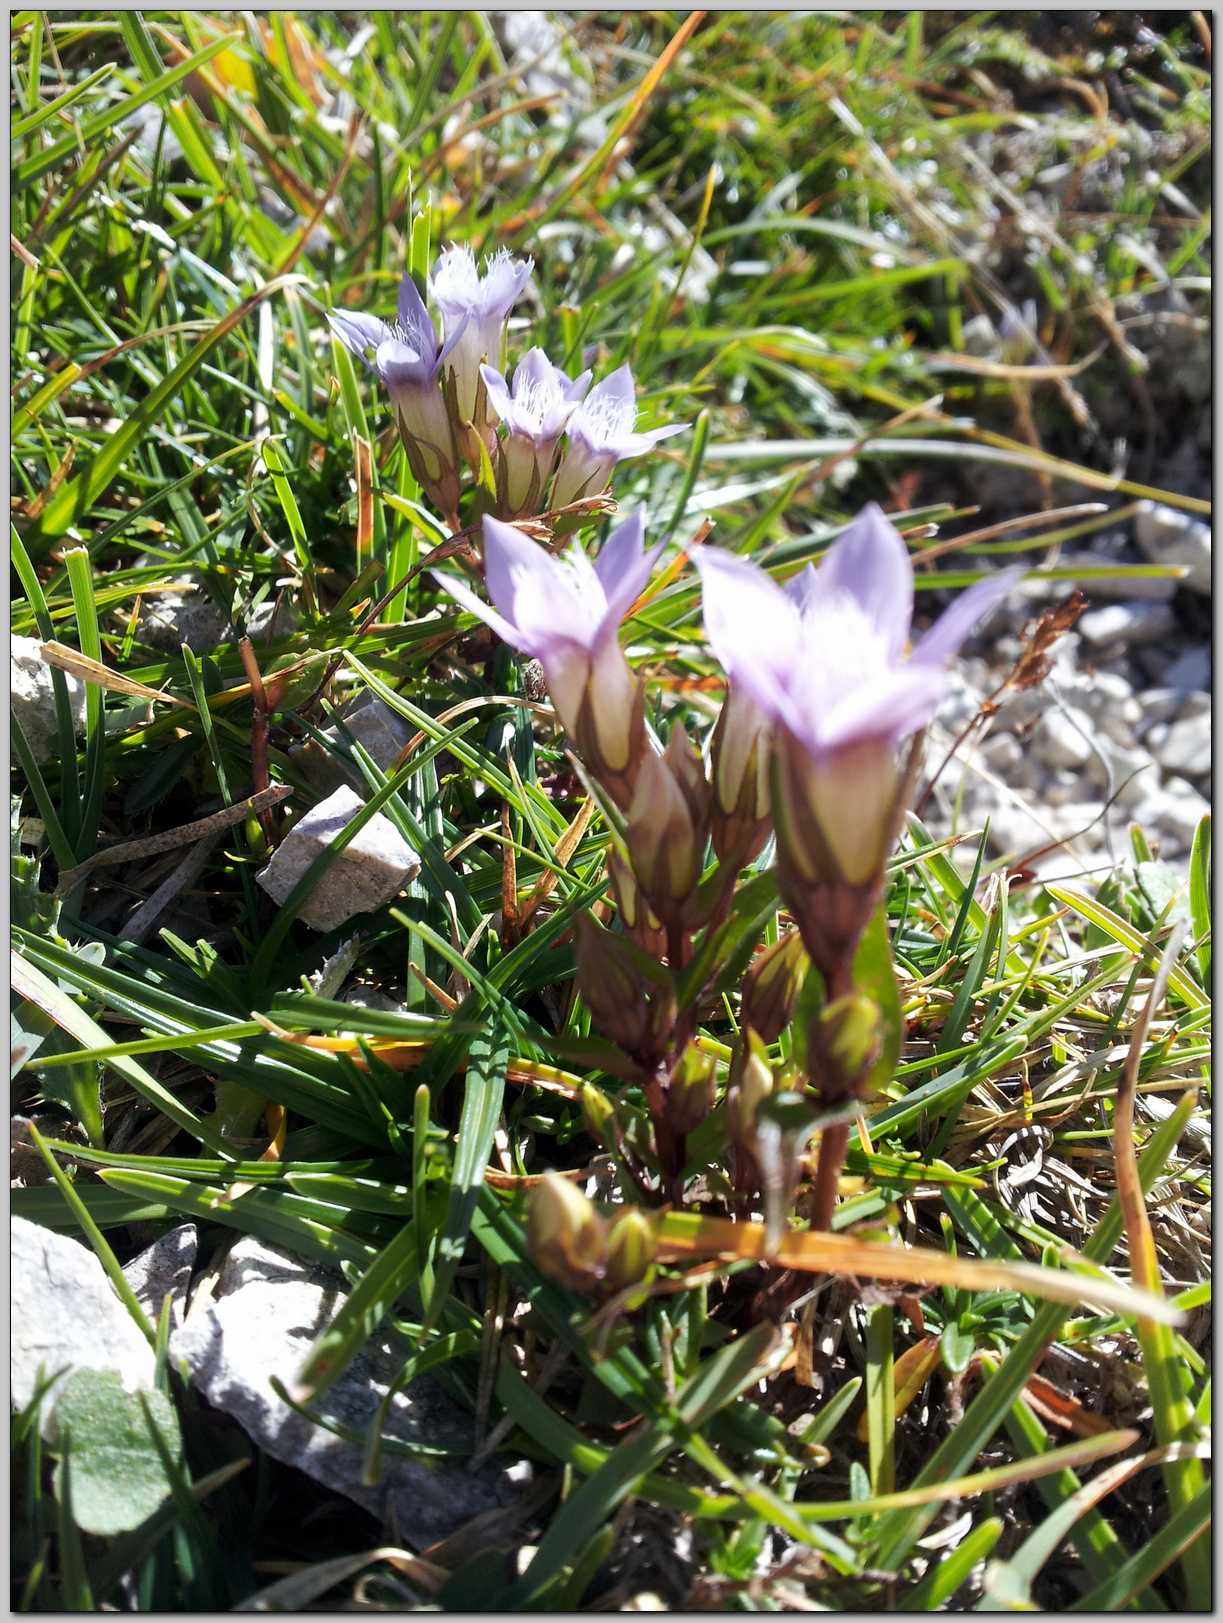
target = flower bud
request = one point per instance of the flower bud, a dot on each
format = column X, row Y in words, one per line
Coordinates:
column 637, row 917
column 662, row 839
column 631, row 1244
column 739, row 755
column 686, row 767
column 566, row 1237
column 772, row 985
column 599, row 1114
column 843, row 1045
column 751, row 1083
column 691, row 1093
column 631, row 997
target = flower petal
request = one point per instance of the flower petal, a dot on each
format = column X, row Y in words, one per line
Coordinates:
column 577, row 389
column 623, row 567
column 942, row 641
column 358, row 333
column 462, row 593
column 636, row 444
column 870, row 563
column 498, row 391
column 895, row 703
column 752, row 627
column 541, row 596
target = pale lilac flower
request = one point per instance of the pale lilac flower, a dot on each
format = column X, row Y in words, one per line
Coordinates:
column 825, row 661
column 534, row 411
column 566, row 613
column 475, row 308
column 601, row 433
column 407, row 356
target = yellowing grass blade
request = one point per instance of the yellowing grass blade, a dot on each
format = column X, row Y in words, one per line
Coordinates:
column 681, row 1235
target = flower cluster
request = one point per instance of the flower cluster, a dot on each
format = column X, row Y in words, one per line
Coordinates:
column 551, row 440
column 816, row 745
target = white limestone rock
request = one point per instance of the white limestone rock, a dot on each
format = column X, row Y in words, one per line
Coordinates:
column 1126, row 625
column 1186, row 748
column 33, row 697
column 380, row 731
column 259, row 1323
column 164, row 1269
column 65, row 1315
column 371, row 870
column 1063, row 738
column 1168, row 536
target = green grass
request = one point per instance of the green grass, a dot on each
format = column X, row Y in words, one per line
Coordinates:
column 784, row 233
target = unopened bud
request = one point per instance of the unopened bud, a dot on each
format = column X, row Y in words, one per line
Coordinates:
column 772, row 985
column 688, row 770
column 752, row 1082
column 844, row 1044
column 599, row 1114
column 691, row 1093
column 566, row 1237
column 630, row 996
column 662, row 838
column 636, row 915
column 631, row 1244
column 739, row 754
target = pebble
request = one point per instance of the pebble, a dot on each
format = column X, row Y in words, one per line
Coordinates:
column 371, row 870
column 1063, row 737
column 1173, row 811
column 1168, row 536
column 1186, row 748
column 380, row 731
column 170, row 619
column 1126, row 624
column 260, row 1322
column 65, row 1315
column 33, row 697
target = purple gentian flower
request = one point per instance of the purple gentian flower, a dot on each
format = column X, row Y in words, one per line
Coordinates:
column 475, row 307
column 601, row 433
column 408, row 357
column 824, row 660
column 566, row 613
column 534, row 412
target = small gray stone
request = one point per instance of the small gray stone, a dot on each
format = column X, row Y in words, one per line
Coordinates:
column 1063, row 738
column 261, row 1321
column 170, row 619
column 1126, row 624
column 375, row 726
column 1173, row 812
column 64, row 1315
column 1134, row 773
column 1168, row 536
column 1003, row 754
column 33, row 697
column 371, row 869
column 164, row 1269
column 1186, row 749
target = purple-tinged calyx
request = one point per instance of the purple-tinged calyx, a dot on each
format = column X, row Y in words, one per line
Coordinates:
column 600, row 433
column 534, row 410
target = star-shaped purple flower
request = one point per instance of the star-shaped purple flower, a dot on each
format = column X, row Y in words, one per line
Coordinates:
column 534, row 412
column 600, row 433
column 474, row 307
column 408, row 357
column 566, row 613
